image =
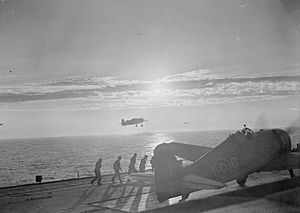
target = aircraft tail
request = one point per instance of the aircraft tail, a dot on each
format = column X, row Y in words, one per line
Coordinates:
column 172, row 179
column 123, row 122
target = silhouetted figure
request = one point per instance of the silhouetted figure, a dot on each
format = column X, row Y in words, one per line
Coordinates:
column 247, row 131
column 97, row 172
column 152, row 162
column 117, row 169
column 131, row 168
column 143, row 163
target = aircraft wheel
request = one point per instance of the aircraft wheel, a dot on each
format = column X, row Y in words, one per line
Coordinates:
column 242, row 181
column 161, row 198
column 185, row 196
column 291, row 171
column 142, row 125
column 135, row 125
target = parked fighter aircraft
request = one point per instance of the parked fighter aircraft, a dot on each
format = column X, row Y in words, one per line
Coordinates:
column 133, row 121
column 234, row 159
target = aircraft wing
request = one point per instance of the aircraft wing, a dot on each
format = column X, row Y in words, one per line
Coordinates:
column 191, row 181
column 188, row 151
column 198, row 183
column 289, row 160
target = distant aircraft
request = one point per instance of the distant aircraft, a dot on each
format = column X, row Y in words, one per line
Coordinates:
column 185, row 122
column 133, row 121
column 234, row 159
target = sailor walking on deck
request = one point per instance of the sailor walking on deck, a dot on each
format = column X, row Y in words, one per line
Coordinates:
column 143, row 163
column 117, row 169
column 131, row 168
column 97, row 172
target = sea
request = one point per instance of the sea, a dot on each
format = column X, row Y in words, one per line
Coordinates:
column 60, row 158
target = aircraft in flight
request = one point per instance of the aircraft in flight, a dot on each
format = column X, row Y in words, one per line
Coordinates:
column 241, row 154
column 133, row 121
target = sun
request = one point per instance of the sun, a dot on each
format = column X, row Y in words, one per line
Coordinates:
column 157, row 90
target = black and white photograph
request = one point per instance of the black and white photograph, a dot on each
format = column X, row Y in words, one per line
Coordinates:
column 158, row 106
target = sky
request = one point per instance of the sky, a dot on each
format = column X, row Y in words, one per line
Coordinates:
column 78, row 67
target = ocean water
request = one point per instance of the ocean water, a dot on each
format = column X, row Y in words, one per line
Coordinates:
column 61, row 158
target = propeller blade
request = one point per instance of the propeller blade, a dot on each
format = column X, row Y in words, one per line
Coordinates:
column 261, row 122
column 293, row 128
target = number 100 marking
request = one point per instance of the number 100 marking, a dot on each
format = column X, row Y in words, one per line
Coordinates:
column 222, row 166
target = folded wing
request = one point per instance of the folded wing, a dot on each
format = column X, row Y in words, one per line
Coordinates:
column 198, row 183
column 187, row 151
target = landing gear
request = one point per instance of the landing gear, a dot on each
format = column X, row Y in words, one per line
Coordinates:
column 136, row 125
column 184, row 197
column 242, row 181
column 291, row 171
column 142, row 125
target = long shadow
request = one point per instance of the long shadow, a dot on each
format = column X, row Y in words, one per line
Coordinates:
column 230, row 198
column 135, row 204
column 108, row 193
column 125, row 195
column 151, row 199
column 138, row 198
column 86, row 194
column 122, row 201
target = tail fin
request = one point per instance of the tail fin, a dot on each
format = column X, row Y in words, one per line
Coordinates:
column 172, row 179
column 123, row 122
column 167, row 173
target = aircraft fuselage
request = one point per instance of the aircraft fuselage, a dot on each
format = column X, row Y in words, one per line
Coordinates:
column 240, row 155
column 236, row 157
column 134, row 121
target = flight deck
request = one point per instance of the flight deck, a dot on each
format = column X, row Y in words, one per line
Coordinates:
column 265, row 192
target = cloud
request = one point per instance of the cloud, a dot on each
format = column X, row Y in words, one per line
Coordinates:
column 188, row 76
column 183, row 89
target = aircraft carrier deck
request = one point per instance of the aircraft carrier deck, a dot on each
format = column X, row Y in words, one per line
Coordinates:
column 265, row 192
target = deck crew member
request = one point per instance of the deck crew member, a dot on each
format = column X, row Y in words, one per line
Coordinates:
column 97, row 172
column 143, row 163
column 246, row 130
column 131, row 168
column 117, row 169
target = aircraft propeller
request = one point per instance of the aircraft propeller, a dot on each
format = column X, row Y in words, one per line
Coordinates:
column 293, row 128
column 262, row 123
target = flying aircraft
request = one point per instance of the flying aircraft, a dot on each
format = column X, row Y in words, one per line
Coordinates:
column 242, row 153
column 133, row 121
